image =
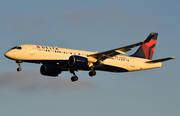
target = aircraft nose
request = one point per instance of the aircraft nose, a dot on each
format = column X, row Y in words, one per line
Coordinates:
column 8, row 55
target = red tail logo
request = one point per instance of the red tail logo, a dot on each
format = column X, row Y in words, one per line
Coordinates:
column 149, row 48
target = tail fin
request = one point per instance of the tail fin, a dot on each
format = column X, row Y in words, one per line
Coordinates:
column 146, row 50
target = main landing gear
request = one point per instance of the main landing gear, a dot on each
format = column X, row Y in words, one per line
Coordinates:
column 92, row 73
column 19, row 63
column 75, row 78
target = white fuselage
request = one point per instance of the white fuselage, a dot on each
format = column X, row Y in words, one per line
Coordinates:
column 34, row 53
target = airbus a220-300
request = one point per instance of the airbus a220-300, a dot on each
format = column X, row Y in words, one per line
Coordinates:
column 55, row 60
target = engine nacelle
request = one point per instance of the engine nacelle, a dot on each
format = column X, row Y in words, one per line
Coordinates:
column 49, row 70
column 78, row 62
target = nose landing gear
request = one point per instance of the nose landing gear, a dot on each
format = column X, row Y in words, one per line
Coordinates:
column 19, row 63
column 19, row 69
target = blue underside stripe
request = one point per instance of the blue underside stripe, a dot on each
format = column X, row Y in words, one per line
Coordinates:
column 64, row 64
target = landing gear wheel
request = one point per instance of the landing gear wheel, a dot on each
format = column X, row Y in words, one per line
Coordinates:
column 92, row 73
column 19, row 64
column 19, row 69
column 74, row 78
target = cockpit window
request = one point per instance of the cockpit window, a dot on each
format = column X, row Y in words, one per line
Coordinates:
column 13, row 48
column 17, row 47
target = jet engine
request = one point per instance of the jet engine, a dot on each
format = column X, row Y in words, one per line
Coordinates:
column 49, row 70
column 78, row 62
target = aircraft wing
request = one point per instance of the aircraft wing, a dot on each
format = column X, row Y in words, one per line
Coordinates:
column 109, row 54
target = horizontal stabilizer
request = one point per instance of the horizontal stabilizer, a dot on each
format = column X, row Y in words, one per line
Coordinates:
column 160, row 60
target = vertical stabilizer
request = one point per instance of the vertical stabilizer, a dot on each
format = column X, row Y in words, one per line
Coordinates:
column 147, row 50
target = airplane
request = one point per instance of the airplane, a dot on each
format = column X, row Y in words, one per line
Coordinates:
column 55, row 60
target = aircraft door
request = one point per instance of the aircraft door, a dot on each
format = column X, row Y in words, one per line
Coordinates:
column 32, row 50
column 132, row 62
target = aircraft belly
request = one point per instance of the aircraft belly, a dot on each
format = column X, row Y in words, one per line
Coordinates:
column 104, row 67
column 112, row 66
